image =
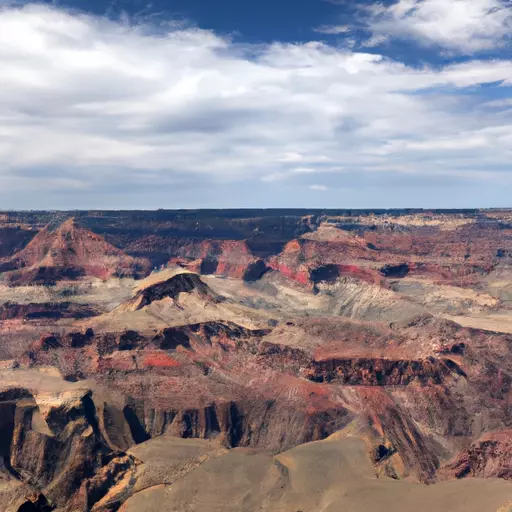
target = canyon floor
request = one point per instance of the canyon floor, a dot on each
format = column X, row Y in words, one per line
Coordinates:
column 256, row 360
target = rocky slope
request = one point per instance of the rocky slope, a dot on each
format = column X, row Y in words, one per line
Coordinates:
column 373, row 349
column 267, row 388
column 67, row 448
column 489, row 456
column 54, row 447
column 69, row 252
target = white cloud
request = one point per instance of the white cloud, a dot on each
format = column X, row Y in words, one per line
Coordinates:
column 277, row 176
column 303, row 170
column 463, row 26
column 291, row 157
column 499, row 103
column 89, row 101
column 375, row 40
column 332, row 29
column 321, row 188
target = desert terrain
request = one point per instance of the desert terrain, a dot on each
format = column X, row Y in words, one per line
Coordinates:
column 256, row 360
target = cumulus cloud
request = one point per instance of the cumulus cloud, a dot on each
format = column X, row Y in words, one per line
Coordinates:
column 89, row 105
column 462, row 26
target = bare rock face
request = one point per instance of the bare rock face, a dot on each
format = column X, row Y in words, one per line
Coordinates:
column 69, row 252
column 383, row 372
column 55, row 444
column 221, row 380
column 311, row 261
column 226, row 258
column 212, row 405
column 45, row 311
column 454, row 251
column 181, row 283
column 490, row 456
column 361, row 347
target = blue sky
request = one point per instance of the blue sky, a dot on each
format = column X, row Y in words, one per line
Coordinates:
column 254, row 21
column 306, row 103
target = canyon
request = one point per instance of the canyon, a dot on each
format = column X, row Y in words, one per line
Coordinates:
column 243, row 360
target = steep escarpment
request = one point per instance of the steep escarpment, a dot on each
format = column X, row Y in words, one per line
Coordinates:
column 228, row 258
column 266, row 389
column 225, row 258
column 217, row 401
column 42, row 310
column 371, row 249
column 69, row 252
column 414, row 381
column 62, row 446
column 383, row 372
column 490, row 456
column 310, row 261
column 276, row 349
column 256, row 422
column 166, row 234
column 54, row 448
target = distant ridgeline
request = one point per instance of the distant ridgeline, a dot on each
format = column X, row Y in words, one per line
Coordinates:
column 160, row 236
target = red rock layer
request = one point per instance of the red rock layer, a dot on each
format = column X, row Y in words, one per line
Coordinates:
column 69, row 252
column 490, row 456
column 302, row 260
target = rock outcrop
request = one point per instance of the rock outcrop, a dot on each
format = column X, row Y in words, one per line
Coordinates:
column 69, row 252
column 55, row 445
column 383, row 372
column 359, row 347
column 490, row 456
column 42, row 310
column 183, row 282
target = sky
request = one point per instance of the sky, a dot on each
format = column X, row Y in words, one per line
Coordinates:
column 241, row 104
